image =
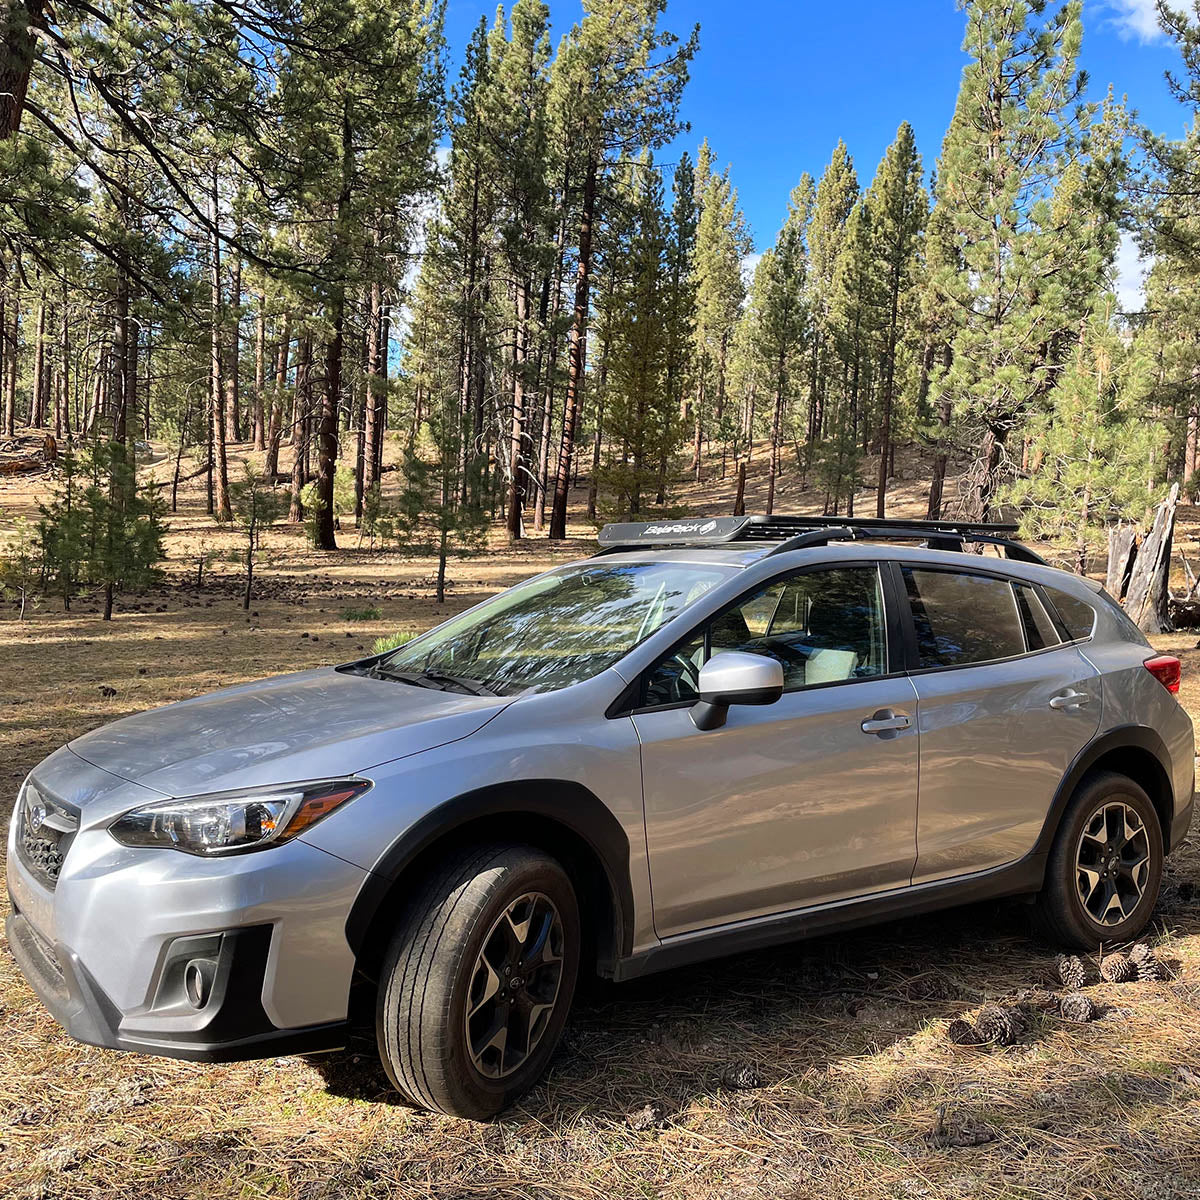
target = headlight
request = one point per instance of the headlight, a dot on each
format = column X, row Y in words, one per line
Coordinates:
column 234, row 822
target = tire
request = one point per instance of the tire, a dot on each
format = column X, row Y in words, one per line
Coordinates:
column 446, row 961
column 1087, row 858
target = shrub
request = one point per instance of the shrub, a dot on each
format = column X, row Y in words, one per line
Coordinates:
column 361, row 614
column 384, row 644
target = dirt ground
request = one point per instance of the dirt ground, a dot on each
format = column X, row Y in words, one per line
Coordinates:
column 820, row 1070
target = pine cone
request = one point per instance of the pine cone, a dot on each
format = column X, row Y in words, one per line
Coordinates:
column 999, row 1025
column 1077, row 1007
column 741, row 1078
column 1116, row 968
column 1150, row 970
column 1036, row 999
column 1140, row 953
column 1071, row 971
column 962, row 1033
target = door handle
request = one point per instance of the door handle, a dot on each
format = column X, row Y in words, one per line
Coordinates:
column 885, row 721
column 1070, row 699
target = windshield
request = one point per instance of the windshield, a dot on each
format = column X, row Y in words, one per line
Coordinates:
column 557, row 629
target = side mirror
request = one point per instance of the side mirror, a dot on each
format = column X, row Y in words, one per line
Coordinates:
column 735, row 678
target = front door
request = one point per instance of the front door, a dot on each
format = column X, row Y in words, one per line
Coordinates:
column 808, row 800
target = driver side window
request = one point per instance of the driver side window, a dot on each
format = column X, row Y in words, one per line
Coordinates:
column 822, row 626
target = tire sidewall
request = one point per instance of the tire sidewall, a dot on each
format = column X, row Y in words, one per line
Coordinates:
column 470, row 1090
column 1104, row 790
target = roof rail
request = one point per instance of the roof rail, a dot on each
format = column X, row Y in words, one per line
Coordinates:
column 796, row 532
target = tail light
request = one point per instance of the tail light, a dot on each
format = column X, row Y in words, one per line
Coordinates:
column 1167, row 669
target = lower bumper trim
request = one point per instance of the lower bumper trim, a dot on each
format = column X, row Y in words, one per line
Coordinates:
column 238, row 1031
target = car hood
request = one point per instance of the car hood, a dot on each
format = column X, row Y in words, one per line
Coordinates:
column 313, row 725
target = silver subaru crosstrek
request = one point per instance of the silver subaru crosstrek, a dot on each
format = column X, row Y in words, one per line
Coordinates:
column 714, row 735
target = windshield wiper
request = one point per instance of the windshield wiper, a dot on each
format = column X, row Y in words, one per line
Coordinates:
column 471, row 686
column 433, row 679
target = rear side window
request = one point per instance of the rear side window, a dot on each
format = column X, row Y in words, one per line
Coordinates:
column 961, row 618
column 1076, row 615
column 1039, row 628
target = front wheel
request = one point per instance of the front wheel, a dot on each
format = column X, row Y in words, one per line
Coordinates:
column 478, row 980
column 1105, row 868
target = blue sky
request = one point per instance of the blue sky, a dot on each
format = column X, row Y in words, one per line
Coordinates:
column 777, row 82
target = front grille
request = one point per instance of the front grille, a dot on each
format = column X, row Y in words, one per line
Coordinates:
column 45, row 830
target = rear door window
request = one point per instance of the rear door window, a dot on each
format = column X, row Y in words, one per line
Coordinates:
column 1039, row 628
column 961, row 618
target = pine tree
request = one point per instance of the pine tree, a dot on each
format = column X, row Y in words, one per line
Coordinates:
column 722, row 242
column 1016, row 132
column 837, row 193
column 780, row 315
column 899, row 208
column 621, row 82
column 1088, row 453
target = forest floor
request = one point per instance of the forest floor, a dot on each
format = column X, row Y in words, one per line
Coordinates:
column 860, row 1093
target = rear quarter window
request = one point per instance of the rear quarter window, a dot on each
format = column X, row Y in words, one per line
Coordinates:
column 1078, row 616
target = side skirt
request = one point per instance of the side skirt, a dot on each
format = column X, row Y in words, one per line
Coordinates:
column 1023, row 877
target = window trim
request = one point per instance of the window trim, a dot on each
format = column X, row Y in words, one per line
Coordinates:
column 625, row 705
column 913, row 653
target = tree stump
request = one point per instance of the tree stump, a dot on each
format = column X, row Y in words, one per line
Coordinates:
column 1122, row 550
column 1147, row 596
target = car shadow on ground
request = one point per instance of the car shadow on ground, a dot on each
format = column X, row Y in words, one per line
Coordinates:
column 760, row 1017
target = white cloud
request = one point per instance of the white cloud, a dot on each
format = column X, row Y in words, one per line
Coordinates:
column 1130, row 276
column 1135, row 19
column 749, row 266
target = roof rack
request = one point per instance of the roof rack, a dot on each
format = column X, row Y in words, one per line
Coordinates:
column 796, row 532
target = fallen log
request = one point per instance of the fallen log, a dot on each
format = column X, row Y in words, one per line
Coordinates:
column 22, row 466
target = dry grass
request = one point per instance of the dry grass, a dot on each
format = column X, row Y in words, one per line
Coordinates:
column 846, row 1034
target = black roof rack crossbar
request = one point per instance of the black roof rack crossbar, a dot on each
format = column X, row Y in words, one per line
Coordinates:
column 936, row 539
column 795, row 532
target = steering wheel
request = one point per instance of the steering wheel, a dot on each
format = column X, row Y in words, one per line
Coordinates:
column 671, row 690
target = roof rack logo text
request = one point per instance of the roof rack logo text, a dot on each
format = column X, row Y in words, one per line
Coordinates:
column 682, row 527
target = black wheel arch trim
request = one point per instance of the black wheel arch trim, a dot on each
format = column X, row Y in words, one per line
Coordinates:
column 565, row 803
column 1122, row 737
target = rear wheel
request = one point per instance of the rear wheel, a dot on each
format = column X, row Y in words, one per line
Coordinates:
column 1105, row 868
column 478, row 980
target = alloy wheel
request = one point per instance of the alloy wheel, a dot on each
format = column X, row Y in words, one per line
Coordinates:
column 1112, row 863
column 514, row 985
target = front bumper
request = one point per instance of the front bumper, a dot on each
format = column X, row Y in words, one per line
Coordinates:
column 237, row 1028
column 106, row 946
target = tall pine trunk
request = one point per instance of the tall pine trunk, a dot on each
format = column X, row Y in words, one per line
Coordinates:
column 221, row 506
column 578, row 356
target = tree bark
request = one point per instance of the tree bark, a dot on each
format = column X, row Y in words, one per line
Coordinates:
column 327, row 431
column 16, row 60
column 300, row 429
column 518, row 467
column 275, row 421
column 233, row 345
column 221, row 506
column 37, row 410
column 260, row 374
column 578, row 356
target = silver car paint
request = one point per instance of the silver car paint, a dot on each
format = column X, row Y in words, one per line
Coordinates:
column 784, row 806
column 116, row 906
column 733, row 672
column 309, row 725
column 993, row 752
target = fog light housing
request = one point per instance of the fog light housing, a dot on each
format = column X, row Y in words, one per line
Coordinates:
column 198, row 978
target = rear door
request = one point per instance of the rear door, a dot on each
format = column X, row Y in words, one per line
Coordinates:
column 1004, row 707
column 794, row 803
